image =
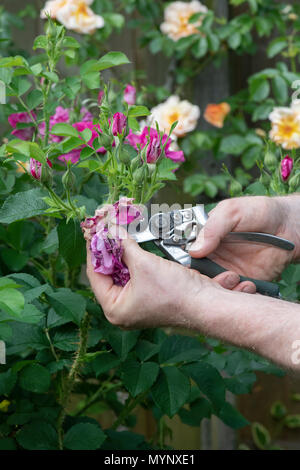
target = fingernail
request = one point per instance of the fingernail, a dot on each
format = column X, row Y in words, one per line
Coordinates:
column 248, row 290
column 198, row 244
column 231, row 281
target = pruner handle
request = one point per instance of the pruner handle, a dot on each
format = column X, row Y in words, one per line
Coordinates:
column 211, row 269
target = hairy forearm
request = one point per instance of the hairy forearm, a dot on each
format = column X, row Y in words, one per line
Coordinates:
column 291, row 212
column 264, row 325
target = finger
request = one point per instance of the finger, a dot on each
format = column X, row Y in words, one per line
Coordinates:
column 132, row 253
column 218, row 225
column 228, row 280
column 101, row 284
column 247, row 287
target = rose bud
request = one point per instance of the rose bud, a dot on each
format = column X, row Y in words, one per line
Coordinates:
column 286, row 167
column 37, row 169
column 119, row 124
column 130, row 94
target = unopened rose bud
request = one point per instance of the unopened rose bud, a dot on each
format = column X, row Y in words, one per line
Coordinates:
column 125, row 157
column 294, row 182
column 130, row 94
column 270, row 161
column 39, row 171
column 286, row 168
column 68, row 179
column 135, row 163
column 139, row 175
column 100, row 97
column 151, row 167
column 119, row 124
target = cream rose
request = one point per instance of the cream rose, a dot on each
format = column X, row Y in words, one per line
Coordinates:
column 165, row 114
column 74, row 15
column 176, row 19
column 286, row 126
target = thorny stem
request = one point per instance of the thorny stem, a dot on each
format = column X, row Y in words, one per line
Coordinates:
column 128, row 409
column 68, row 382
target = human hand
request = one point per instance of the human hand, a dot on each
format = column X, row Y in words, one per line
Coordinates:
column 247, row 214
column 159, row 293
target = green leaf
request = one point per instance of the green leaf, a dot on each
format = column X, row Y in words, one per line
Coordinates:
column 279, row 411
column 208, row 380
column 139, row 377
column 7, row 382
column 145, row 349
column 12, row 301
column 136, row 111
column 232, row 417
column 178, row 348
column 280, row 89
column 84, row 436
column 200, row 48
column 122, row 341
column 23, row 205
column 40, row 42
column 69, row 41
column 112, row 59
column 171, row 390
column 234, row 40
column 292, row 421
column 240, row 384
column 16, row 61
column 72, row 143
column 38, row 435
column 165, row 169
column 199, row 409
column 261, row 436
column 259, row 89
column 14, row 260
column 7, row 443
column 35, row 378
column 104, row 363
column 68, row 304
column 233, row 144
column 64, row 129
column 34, row 99
column 71, row 241
column 276, row 46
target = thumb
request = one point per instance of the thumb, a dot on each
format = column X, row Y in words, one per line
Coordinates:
column 219, row 224
column 131, row 249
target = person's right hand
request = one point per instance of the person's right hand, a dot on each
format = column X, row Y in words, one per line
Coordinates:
column 249, row 214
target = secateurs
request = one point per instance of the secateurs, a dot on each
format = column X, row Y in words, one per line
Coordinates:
column 173, row 232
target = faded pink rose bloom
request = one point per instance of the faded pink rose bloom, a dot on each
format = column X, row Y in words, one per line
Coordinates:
column 16, row 118
column 35, row 168
column 126, row 211
column 107, row 257
column 130, row 94
column 286, row 167
column 61, row 115
column 151, row 137
column 106, row 249
column 119, row 123
column 74, row 155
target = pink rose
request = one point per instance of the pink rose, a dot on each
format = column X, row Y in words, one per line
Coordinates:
column 16, row 118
